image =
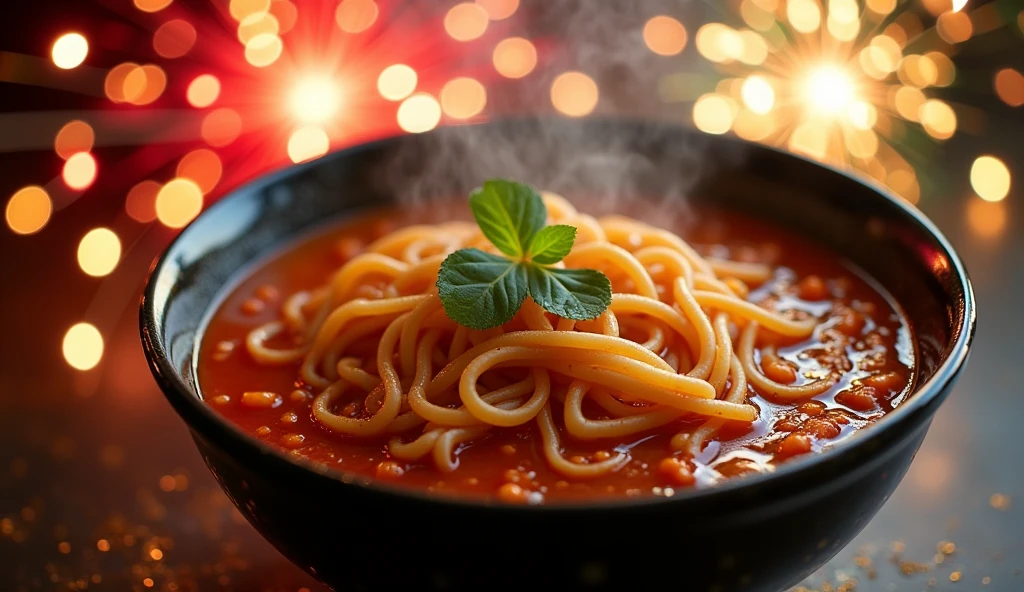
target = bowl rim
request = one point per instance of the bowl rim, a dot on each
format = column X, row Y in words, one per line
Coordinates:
column 202, row 419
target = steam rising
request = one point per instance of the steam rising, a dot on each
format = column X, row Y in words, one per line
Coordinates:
column 618, row 160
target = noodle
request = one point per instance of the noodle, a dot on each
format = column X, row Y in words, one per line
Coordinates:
column 375, row 343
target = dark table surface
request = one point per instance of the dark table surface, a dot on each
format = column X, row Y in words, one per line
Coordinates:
column 101, row 487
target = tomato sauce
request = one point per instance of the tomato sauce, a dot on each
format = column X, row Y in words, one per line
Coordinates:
column 864, row 341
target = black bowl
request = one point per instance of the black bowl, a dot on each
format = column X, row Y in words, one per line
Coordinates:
column 757, row 533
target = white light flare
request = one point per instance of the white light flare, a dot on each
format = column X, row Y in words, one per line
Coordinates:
column 829, row 90
column 315, row 99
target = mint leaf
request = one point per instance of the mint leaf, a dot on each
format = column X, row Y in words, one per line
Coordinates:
column 552, row 243
column 509, row 214
column 577, row 294
column 481, row 290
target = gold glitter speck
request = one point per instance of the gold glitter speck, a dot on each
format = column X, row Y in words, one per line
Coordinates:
column 910, row 567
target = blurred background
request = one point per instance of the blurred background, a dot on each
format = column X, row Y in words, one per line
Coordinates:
column 120, row 120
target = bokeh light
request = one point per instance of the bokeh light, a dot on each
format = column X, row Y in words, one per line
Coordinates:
column 178, row 202
column 938, row 119
column 986, row 219
column 286, row 14
column 754, row 49
column 904, row 182
column 804, row 15
column 990, row 178
column 861, row 143
column 152, row 5
column 466, row 21
column 79, row 170
column 356, row 16
column 896, row 32
column 144, row 84
column 203, row 91
column 810, row 139
column 843, row 22
column 258, row 23
column 758, row 95
column 664, row 35
column 202, row 166
column 574, row 94
column 753, row 126
column 28, row 210
column 499, row 9
column 263, row 49
column 240, row 9
column 140, row 203
column 945, row 67
column 514, row 57
column 1009, row 85
column 719, row 43
column 315, row 99
column 174, row 39
column 113, row 84
column 954, row 27
column 307, row 143
column 221, row 127
column 99, row 251
column 419, row 113
column 917, row 70
column 462, row 98
column 83, row 346
column 881, row 7
column 396, row 82
column 134, row 85
column 844, row 11
column 908, row 101
column 829, row 90
column 69, row 51
column 757, row 17
column 714, row 113
column 880, row 57
column 862, row 115
column 75, row 136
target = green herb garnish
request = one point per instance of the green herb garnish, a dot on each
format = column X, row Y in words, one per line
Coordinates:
column 481, row 290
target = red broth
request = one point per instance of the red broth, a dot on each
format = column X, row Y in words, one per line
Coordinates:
column 864, row 334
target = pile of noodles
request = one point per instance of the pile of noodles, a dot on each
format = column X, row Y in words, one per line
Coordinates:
column 375, row 341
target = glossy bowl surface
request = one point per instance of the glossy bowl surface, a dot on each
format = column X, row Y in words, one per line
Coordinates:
column 757, row 533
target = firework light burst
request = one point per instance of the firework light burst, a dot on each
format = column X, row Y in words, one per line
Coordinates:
column 219, row 92
column 857, row 85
